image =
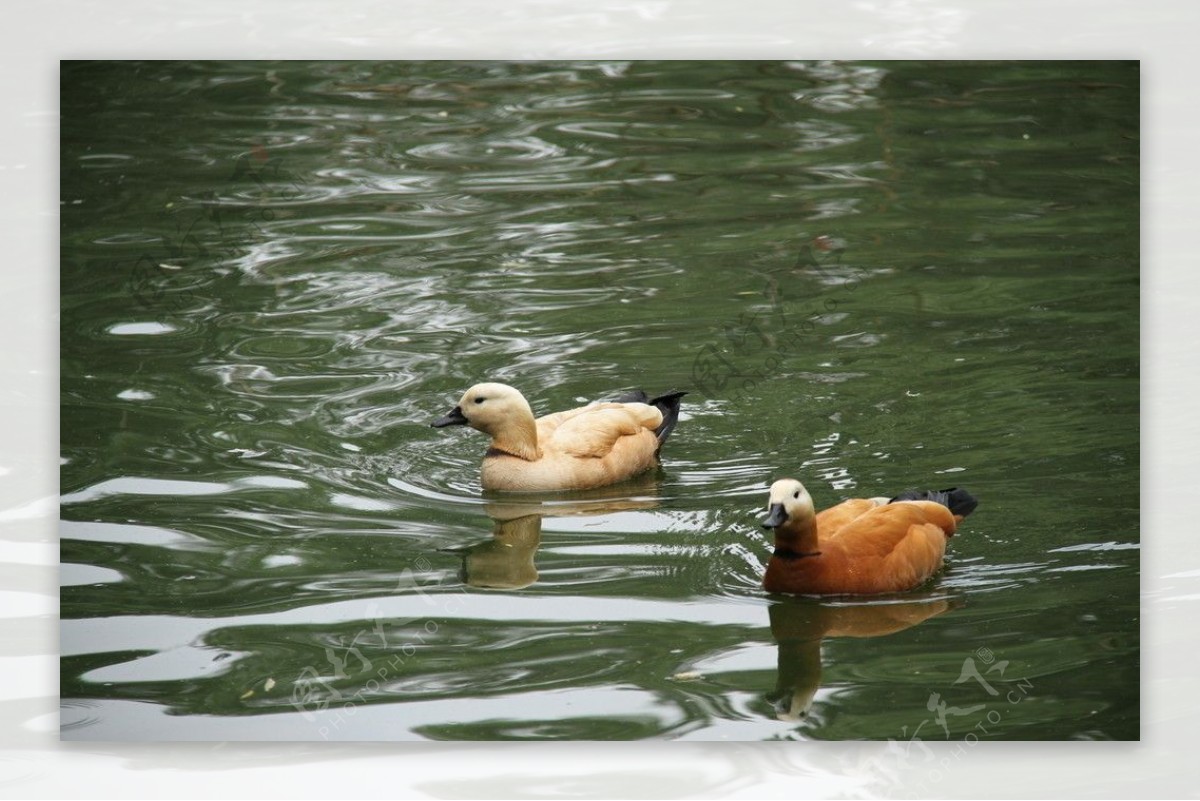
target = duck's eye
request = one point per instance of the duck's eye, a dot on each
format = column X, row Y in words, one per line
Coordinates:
column 479, row 400
column 797, row 495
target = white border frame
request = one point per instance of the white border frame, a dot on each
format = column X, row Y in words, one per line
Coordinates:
column 35, row 764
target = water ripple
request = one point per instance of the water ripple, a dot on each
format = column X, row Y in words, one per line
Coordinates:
column 490, row 151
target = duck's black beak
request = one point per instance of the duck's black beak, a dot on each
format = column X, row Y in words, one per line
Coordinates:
column 454, row 417
column 776, row 516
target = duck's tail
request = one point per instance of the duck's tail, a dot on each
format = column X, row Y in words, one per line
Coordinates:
column 960, row 502
column 667, row 403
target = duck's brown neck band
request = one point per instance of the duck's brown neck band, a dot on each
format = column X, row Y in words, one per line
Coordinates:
column 788, row 553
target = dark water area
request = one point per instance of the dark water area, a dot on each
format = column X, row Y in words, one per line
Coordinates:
column 869, row 276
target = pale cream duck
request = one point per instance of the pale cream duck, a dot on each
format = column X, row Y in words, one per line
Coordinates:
column 591, row 446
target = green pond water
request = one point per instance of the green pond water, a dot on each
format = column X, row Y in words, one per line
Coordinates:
column 869, row 276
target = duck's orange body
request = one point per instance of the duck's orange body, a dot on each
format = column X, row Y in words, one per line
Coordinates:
column 860, row 546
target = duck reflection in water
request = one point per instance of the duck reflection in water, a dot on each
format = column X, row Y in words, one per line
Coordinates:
column 799, row 625
column 506, row 560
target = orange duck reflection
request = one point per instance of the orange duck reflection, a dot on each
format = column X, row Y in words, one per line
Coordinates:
column 799, row 625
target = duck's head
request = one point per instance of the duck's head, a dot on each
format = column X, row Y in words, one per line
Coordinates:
column 789, row 502
column 487, row 407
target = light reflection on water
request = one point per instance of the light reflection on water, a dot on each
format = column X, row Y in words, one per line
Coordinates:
column 889, row 287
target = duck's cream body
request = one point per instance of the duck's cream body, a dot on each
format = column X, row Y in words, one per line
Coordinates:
column 591, row 446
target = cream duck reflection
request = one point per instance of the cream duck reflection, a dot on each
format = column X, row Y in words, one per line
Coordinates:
column 505, row 561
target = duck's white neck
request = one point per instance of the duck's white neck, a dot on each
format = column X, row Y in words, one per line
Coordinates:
column 518, row 437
